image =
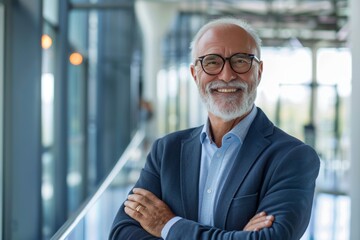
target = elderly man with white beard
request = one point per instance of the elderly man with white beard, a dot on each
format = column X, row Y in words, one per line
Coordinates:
column 236, row 177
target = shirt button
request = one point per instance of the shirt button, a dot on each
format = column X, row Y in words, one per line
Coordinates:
column 209, row 190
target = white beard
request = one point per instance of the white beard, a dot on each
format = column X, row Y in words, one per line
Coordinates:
column 232, row 107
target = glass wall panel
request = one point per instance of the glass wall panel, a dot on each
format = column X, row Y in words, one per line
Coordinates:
column 83, row 1
column 284, row 90
column 76, row 176
column 2, row 25
column 77, row 107
column 294, row 109
column 327, row 126
column 51, row 11
column 334, row 69
column 102, row 94
column 178, row 100
column 48, row 43
column 332, row 217
column 92, row 101
column 287, row 93
column 333, row 135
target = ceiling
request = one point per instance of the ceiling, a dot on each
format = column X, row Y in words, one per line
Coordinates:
column 296, row 22
column 279, row 22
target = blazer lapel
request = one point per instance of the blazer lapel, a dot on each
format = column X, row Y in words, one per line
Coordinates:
column 189, row 174
column 254, row 144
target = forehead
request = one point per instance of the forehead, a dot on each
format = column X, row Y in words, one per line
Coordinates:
column 225, row 40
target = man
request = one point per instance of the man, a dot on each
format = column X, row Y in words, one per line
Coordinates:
column 236, row 177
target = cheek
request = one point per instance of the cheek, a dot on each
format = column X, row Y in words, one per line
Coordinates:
column 252, row 80
column 202, row 81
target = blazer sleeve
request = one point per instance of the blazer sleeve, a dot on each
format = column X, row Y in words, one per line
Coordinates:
column 290, row 186
column 126, row 228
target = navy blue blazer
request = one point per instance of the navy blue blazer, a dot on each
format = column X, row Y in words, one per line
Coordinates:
column 274, row 172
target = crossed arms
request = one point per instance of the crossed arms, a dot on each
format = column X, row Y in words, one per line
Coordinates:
column 283, row 184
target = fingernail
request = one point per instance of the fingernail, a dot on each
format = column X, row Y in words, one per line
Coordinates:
column 269, row 217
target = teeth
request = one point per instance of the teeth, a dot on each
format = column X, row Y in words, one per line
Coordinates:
column 227, row 90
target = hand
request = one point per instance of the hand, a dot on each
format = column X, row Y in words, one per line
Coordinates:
column 259, row 221
column 148, row 210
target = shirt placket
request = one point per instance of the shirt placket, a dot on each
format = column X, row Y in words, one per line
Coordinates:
column 211, row 184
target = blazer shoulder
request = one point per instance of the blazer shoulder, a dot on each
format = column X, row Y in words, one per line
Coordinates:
column 182, row 135
column 174, row 141
column 274, row 133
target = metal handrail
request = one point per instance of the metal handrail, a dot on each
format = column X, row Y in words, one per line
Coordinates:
column 72, row 222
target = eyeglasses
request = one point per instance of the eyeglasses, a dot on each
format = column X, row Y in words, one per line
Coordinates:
column 213, row 64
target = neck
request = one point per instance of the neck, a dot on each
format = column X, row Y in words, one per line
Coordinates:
column 219, row 127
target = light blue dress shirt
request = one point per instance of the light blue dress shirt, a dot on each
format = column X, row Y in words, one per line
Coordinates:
column 214, row 166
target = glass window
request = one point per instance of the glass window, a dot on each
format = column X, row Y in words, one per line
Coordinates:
column 77, row 68
column 331, row 217
column 284, row 87
column 48, row 41
column 179, row 104
column 334, row 67
column 91, row 100
column 332, row 119
column 81, row 1
column 2, row 20
column 100, row 95
column 289, row 94
column 76, row 132
column 2, row 54
column 50, row 11
column 293, row 112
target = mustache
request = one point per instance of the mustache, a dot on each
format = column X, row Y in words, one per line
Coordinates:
column 221, row 84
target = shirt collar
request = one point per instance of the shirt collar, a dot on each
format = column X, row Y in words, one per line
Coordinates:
column 239, row 131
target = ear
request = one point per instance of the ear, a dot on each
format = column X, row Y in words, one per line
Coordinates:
column 260, row 70
column 193, row 72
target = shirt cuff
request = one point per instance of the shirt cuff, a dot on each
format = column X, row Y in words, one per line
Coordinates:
column 168, row 225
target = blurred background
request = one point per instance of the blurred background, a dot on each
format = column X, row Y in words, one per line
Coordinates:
column 87, row 85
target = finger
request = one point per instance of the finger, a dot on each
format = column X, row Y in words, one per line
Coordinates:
column 256, row 219
column 261, row 219
column 260, row 225
column 139, row 199
column 258, row 216
column 147, row 194
column 259, row 222
column 146, row 207
column 145, row 198
column 133, row 205
column 264, row 220
column 133, row 213
column 136, row 208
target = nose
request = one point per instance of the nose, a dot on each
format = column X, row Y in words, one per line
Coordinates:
column 227, row 74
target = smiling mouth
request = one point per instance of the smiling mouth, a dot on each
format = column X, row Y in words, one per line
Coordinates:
column 225, row 90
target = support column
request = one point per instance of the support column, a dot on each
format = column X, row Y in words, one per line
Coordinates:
column 354, row 7
column 154, row 19
column 2, row 49
column 22, row 109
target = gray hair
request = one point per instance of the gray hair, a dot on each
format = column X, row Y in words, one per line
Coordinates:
column 224, row 22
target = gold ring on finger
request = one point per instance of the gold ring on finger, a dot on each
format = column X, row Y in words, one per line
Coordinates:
column 138, row 208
